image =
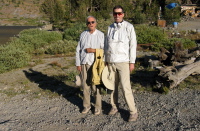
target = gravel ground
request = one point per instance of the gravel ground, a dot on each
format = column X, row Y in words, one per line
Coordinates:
column 178, row 110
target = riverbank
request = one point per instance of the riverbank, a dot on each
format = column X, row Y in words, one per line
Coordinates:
column 6, row 32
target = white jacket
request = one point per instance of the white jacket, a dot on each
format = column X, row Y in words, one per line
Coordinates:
column 87, row 40
column 120, row 45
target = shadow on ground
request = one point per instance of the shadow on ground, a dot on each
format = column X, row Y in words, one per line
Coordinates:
column 46, row 82
column 144, row 78
column 70, row 93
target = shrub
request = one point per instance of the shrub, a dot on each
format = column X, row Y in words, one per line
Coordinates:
column 39, row 36
column 11, row 58
column 34, row 40
column 149, row 34
column 62, row 47
column 74, row 32
column 102, row 25
column 139, row 18
column 172, row 15
column 17, row 53
column 169, row 43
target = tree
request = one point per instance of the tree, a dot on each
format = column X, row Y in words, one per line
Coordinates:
column 172, row 15
column 54, row 10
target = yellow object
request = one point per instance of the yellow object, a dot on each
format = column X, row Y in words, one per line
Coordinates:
column 98, row 67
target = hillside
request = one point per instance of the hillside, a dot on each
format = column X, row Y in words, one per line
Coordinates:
column 27, row 12
column 20, row 12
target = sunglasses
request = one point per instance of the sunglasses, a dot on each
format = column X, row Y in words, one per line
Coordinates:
column 92, row 22
column 118, row 13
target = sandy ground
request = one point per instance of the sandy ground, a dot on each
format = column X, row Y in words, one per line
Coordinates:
column 190, row 25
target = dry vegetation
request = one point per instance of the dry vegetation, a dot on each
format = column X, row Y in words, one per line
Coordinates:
column 20, row 12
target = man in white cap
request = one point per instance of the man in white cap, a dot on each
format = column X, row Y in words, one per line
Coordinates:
column 90, row 40
column 120, row 55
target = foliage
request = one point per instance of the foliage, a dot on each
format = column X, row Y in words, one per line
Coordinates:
column 149, row 34
column 42, row 36
column 54, row 10
column 63, row 12
column 139, row 18
column 61, row 47
column 164, row 90
column 187, row 43
column 74, row 32
column 144, row 11
column 172, row 15
column 71, row 75
column 18, row 52
column 169, row 43
column 34, row 40
column 12, row 58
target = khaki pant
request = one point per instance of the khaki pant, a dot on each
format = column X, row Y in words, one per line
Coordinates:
column 86, row 74
column 122, row 77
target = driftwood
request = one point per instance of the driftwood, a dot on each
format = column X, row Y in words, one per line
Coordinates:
column 178, row 64
column 171, row 76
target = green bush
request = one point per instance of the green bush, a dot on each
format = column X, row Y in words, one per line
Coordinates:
column 166, row 43
column 18, row 52
column 11, row 58
column 169, row 43
column 73, row 33
column 34, row 40
column 188, row 43
column 102, row 25
column 172, row 15
column 39, row 36
column 62, row 47
column 139, row 18
column 149, row 34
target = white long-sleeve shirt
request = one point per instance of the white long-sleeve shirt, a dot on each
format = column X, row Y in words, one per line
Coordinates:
column 87, row 40
column 121, row 43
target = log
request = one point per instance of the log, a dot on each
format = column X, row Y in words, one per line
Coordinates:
column 172, row 76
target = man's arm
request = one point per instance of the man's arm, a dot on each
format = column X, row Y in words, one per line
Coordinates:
column 78, row 68
column 90, row 50
column 131, row 67
column 132, row 45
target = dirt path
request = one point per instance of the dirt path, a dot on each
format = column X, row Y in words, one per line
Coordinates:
column 178, row 110
column 190, row 25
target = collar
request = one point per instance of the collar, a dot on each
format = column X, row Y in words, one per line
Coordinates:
column 118, row 25
column 93, row 32
column 120, row 22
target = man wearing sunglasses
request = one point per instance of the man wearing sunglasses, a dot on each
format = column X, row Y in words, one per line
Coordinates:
column 89, row 41
column 120, row 55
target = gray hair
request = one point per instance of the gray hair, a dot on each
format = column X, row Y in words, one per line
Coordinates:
column 90, row 17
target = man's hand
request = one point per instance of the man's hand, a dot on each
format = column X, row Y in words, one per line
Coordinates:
column 90, row 50
column 79, row 68
column 131, row 66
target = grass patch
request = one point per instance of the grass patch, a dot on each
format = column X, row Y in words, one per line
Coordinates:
column 191, row 82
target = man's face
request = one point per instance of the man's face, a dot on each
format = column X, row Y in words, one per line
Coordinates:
column 91, row 24
column 118, row 15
